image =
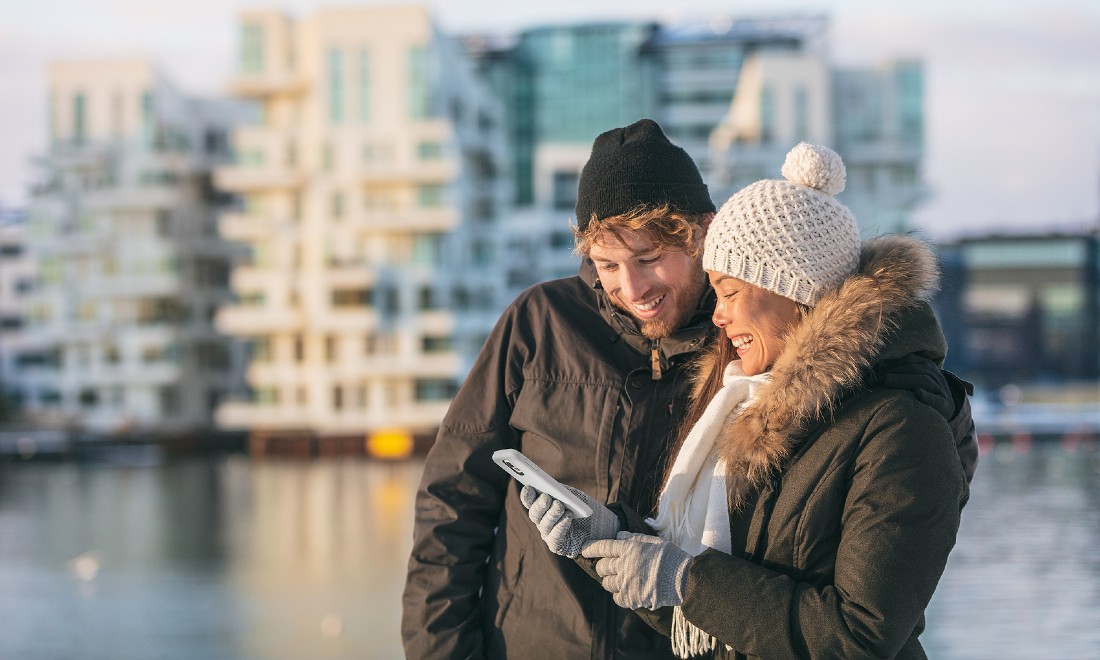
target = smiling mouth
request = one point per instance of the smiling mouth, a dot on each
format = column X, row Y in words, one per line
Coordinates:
column 649, row 306
column 741, row 343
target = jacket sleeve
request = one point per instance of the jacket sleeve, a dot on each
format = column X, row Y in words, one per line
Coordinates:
column 899, row 522
column 458, row 507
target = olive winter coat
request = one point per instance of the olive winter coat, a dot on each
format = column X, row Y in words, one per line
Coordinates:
column 570, row 383
column 847, row 481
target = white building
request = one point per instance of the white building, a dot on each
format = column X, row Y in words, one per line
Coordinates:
column 123, row 226
column 371, row 188
column 17, row 277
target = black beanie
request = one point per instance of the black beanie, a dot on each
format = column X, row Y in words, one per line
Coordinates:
column 638, row 166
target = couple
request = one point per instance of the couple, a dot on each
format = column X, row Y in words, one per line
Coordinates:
column 788, row 488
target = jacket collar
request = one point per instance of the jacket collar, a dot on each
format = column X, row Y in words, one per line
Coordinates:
column 621, row 326
column 879, row 309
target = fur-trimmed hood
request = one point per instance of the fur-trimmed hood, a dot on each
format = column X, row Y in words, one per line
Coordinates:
column 880, row 312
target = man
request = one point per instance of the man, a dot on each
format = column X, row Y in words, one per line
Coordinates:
column 586, row 376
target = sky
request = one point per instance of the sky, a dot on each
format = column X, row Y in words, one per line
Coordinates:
column 1012, row 87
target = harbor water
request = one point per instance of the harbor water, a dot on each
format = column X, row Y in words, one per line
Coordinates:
column 230, row 557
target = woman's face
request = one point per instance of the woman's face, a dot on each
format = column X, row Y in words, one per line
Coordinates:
column 755, row 320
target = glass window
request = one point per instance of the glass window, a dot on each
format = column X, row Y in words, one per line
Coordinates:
column 430, row 195
column 335, row 86
column 767, row 115
column 801, row 113
column 364, row 85
column 252, row 49
column 435, row 389
column 429, row 150
column 418, row 83
column 79, row 120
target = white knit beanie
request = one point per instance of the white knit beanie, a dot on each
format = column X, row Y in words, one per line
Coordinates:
column 789, row 237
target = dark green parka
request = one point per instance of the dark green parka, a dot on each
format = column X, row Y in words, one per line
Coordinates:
column 847, row 484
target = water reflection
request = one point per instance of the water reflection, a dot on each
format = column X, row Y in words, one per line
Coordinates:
column 224, row 558
column 1024, row 579
column 232, row 558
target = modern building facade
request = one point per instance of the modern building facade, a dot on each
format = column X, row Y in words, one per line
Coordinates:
column 371, row 188
column 736, row 94
column 131, row 270
column 1022, row 308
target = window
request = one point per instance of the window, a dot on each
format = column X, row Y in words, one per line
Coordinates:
column 429, row 150
column 801, row 113
column 442, row 344
column 427, row 299
column 364, row 85
column 330, row 349
column 767, row 115
column 79, row 119
column 426, row 248
column 148, row 121
column 430, row 195
column 337, row 206
column 259, row 349
column 565, row 190
column 418, row 83
column 335, row 86
column 252, row 49
column 352, row 297
column 435, row 389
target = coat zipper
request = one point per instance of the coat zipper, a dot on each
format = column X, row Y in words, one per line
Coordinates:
column 655, row 358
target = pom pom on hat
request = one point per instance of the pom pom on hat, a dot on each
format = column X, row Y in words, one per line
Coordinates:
column 816, row 167
column 790, row 237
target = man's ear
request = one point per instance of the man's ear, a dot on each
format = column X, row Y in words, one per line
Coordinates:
column 704, row 224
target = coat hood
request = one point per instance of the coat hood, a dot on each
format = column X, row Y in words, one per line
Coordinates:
column 879, row 313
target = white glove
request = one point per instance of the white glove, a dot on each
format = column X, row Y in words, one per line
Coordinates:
column 563, row 534
column 641, row 571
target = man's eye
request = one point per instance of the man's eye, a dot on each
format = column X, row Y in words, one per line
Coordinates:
column 607, row 268
column 649, row 260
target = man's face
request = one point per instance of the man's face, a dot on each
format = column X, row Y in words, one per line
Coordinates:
column 660, row 289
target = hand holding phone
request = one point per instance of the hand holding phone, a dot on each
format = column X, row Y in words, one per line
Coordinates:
column 526, row 472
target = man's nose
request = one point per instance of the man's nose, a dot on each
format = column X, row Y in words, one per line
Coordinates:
column 633, row 284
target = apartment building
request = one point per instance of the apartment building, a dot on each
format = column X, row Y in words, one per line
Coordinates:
column 131, row 270
column 735, row 92
column 17, row 276
column 371, row 188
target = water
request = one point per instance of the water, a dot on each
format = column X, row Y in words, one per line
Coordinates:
column 232, row 558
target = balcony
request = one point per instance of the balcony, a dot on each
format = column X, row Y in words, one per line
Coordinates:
column 255, row 320
column 251, row 178
column 265, row 85
column 248, row 415
column 440, row 171
column 247, row 227
column 424, row 220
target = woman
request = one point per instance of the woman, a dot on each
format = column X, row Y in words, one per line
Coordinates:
column 810, row 510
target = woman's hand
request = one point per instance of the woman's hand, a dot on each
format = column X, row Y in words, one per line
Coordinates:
column 562, row 533
column 641, row 571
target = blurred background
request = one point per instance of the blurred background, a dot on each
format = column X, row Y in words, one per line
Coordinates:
column 249, row 251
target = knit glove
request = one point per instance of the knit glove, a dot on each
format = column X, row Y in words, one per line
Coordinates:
column 641, row 571
column 561, row 533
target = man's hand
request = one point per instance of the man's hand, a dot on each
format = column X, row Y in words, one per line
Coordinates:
column 641, row 571
column 563, row 534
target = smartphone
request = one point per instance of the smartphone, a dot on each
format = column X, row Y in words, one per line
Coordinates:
column 526, row 472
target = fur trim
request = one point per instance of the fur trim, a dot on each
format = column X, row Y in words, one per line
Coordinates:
column 827, row 355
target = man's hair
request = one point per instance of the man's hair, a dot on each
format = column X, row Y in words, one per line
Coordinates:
column 666, row 227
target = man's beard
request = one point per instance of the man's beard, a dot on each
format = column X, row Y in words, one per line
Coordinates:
column 686, row 301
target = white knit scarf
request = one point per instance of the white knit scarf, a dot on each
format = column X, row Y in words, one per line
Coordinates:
column 693, row 510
